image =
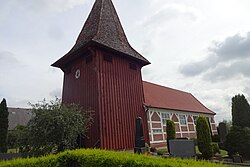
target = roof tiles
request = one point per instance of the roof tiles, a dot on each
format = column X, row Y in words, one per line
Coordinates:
column 18, row 116
column 168, row 98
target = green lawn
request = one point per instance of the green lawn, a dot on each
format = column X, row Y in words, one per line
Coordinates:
column 222, row 152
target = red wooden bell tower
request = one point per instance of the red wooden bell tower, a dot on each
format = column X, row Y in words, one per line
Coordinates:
column 102, row 72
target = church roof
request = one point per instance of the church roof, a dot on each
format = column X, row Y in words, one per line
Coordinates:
column 104, row 28
column 18, row 116
column 168, row 98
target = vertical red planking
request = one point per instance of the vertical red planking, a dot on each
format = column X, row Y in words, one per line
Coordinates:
column 122, row 102
column 115, row 92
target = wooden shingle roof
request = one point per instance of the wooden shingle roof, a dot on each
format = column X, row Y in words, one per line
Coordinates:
column 104, row 28
column 168, row 98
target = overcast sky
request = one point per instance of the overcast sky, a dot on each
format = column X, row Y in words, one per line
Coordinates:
column 199, row 46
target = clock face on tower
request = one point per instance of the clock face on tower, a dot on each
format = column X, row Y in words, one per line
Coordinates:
column 77, row 73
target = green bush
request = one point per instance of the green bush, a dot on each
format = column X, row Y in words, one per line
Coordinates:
column 216, row 138
column 102, row 158
column 162, row 151
column 153, row 149
column 48, row 161
column 215, row 148
column 238, row 141
column 204, row 137
column 170, row 130
column 3, row 126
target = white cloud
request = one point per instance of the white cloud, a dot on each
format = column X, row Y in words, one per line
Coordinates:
column 9, row 62
column 58, row 5
column 225, row 59
column 56, row 93
column 171, row 13
column 10, row 6
column 168, row 33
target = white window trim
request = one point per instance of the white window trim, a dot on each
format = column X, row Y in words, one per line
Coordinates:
column 181, row 119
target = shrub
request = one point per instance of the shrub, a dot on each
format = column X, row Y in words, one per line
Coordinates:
column 3, row 126
column 147, row 147
column 240, row 111
column 170, row 130
column 238, row 141
column 162, row 151
column 48, row 161
column 153, row 149
column 215, row 148
column 216, row 138
column 55, row 127
column 204, row 137
column 102, row 158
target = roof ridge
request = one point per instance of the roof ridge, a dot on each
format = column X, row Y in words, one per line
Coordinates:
column 168, row 87
column 165, row 97
column 97, row 32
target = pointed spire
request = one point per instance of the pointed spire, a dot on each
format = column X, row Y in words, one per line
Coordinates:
column 104, row 28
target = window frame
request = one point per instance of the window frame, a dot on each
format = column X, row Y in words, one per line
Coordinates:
column 164, row 119
column 195, row 117
column 158, row 132
column 181, row 119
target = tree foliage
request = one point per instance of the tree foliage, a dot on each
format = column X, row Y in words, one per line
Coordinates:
column 240, row 111
column 56, row 126
column 238, row 138
column 238, row 141
column 18, row 138
column 4, row 124
column 204, row 137
column 170, row 130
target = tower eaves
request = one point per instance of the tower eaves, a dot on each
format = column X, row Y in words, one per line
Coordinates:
column 103, row 27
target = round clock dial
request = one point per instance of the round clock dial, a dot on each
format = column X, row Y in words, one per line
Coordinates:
column 77, row 74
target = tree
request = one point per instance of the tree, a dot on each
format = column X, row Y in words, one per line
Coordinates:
column 18, row 138
column 56, row 126
column 238, row 138
column 240, row 111
column 238, row 141
column 228, row 123
column 4, row 124
column 170, row 129
column 204, row 137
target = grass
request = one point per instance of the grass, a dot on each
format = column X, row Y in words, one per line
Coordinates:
column 222, row 152
column 164, row 150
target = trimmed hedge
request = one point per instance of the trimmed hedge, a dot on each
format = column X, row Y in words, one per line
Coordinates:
column 170, row 130
column 48, row 161
column 204, row 137
column 102, row 158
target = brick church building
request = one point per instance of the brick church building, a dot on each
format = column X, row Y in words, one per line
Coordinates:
column 102, row 72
